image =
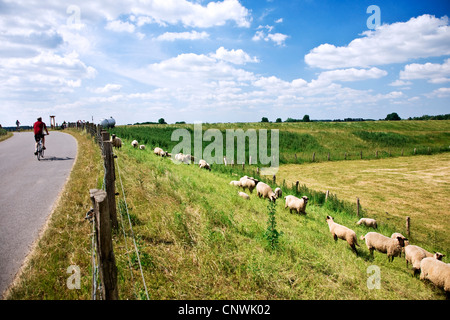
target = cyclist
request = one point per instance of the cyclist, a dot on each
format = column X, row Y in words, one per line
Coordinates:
column 39, row 128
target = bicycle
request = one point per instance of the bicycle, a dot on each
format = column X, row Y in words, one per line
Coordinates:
column 39, row 150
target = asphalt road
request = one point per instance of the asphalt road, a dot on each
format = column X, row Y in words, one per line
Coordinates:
column 28, row 190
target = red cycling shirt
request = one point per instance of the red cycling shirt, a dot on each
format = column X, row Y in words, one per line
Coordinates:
column 39, row 127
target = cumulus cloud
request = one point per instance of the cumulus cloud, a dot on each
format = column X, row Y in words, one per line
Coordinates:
column 119, row 26
column 193, row 35
column 110, row 87
column 234, row 56
column 352, row 74
column 421, row 37
column 433, row 72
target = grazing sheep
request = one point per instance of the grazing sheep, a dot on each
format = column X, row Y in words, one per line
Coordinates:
column 368, row 222
column 134, row 143
column 395, row 235
column 244, row 195
column 265, row 191
column 296, row 204
column 235, row 183
column 116, row 142
column 160, row 152
column 179, row 157
column 383, row 244
column 342, row 232
column 187, row 158
column 415, row 254
column 142, row 147
column 249, row 184
column 204, row 165
column 437, row 272
column 278, row 192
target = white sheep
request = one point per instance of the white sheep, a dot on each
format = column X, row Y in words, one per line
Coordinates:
column 142, row 147
column 179, row 157
column 249, row 183
column 243, row 195
column 395, row 235
column 187, row 158
column 160, row 152
column 342, row 232
column 278, row 192
column 265, row 191
column 204, row 165
column 383, row 244
column 235, row 183
column 415, row 254
column 437, row 272
column 368, row 222
column 296, row 204
column 116, row 142
column 134, row 143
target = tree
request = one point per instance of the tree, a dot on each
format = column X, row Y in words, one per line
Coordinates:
column 162, row 121
column 306, row 118
column 393, row 116
column 264, row 119
column 278, row 120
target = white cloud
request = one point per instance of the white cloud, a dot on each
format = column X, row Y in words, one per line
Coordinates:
column 352, row 74
column 400, row 83
column 119, row 26
column 433, row 72
column 110, row 87
column 234, row 56
column 421, row 37
column 193, row 35
column 279, row 20
column 278, row 38
column 439, row 93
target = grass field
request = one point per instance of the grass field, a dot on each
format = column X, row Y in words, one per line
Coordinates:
column 406, row 186
column 341, row 140
column 198, row 240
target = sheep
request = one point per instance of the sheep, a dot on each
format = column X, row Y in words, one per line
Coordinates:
column 116, row 142
column 278, row 192
column 235, row 183
column 142, row 147
column 204, row 165
column 265, row 191
column 415, row 254
column 295, row 203
column 249, row 183
column 395, row 235
column 342, row 232
column 437, row 272
column 179, row 157
column 187, row 158
column 134, row 143
column 160, row 152
column 383, row 244
column 368, row 222
column 244, row 195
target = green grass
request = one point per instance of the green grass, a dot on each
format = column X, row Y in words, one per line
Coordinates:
column 202, row 241
column 340, row 140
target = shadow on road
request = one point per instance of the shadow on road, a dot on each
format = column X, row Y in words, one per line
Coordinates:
column 53, row 158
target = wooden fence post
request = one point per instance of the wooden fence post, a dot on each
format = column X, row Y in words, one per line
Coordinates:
column 274, row 179
column 314, row 157
column 408, row 221
column 110, row 178
column 107, row 261
column 326, row 195
column 360, row 154
column 296, row 186
column 357, row 207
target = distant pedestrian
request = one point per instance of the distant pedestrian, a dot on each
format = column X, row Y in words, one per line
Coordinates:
column 18, row 125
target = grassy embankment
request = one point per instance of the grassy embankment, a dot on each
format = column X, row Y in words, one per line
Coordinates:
column 199, row 240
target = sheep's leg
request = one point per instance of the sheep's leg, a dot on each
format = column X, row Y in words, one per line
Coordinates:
column 335, row 237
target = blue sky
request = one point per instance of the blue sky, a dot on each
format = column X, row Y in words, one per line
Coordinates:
column 222, row 61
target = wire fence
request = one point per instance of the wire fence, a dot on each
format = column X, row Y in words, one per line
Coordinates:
column 104, row 274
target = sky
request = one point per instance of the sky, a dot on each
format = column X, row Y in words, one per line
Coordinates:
column 222, row 61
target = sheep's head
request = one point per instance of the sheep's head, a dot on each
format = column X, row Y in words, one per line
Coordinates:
column 401, row 241
column 329, row 218
column 305, row 199
column 272, row 197
column 438, row 255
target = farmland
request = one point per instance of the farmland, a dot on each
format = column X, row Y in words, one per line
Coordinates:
column 198, row 240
